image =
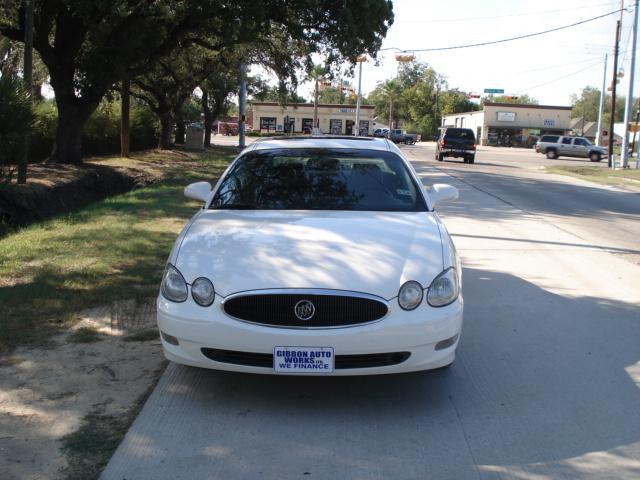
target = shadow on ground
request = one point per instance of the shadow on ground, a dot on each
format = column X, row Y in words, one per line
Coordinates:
column 542, row 383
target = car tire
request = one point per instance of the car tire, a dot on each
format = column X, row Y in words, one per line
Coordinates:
column 552, row 154
column 441, row 157
column 472, row 159
column 407, row 141
column 595, row 157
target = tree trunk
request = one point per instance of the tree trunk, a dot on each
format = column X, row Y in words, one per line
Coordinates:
column 166, row 124
column 180, row 131
column 68, row 144
column 125, row 108
column 208, row 121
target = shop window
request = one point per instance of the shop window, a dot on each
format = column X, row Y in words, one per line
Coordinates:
column 268, row 123
column 335, row 126
column 307, row 125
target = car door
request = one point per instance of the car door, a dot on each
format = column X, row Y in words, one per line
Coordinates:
column 566, row 146
column 580, row 147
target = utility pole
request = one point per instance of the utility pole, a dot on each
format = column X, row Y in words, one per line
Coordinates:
column 242, row 100
column 315, row 105
column 601, row 107
column 28, row 84
column 629, row 106
column 613, row 94
column 360, row 60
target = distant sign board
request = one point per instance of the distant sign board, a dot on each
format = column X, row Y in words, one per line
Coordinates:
column 506, row 116
column 494, row 90
column 549, row 122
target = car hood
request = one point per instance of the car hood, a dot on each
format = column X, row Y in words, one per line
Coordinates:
column 371, row 252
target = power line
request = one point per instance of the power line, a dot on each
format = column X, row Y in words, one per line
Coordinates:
column 493, row 42
column 525, row 90
column 551, row 67
column 522, row 14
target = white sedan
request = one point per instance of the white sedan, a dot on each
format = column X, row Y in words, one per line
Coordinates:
column 314, row 256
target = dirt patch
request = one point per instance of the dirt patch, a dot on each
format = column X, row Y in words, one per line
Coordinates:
column 64, row 409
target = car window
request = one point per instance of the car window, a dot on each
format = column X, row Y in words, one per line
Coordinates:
column 581, row 141
column 566, row 141
column 461, row 133
column 549, row 138
column 319, row 179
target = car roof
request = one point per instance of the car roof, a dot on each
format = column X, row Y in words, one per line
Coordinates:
column 325, row 141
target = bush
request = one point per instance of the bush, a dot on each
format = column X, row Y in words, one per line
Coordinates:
column 101, row 133
column 16, row 118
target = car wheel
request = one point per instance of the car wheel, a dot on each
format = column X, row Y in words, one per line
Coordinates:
column 407, row 141
column 595, row 157
column 552, row 154
column 441, row 157
column 472, row 159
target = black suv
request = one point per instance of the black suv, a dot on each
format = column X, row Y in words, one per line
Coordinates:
column 456, row 142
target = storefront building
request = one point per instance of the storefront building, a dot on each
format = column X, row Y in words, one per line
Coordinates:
column 507, row 124
column 271, row 117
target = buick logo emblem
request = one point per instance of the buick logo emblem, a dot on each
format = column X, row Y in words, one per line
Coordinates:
column 304, row 310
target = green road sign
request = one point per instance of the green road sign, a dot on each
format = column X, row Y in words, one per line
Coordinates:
column 494, row 90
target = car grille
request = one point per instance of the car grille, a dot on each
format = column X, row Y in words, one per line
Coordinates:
column 343, row 362
column 330, row 310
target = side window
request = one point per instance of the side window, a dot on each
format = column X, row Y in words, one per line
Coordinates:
column 566, row 141
column 580, row 141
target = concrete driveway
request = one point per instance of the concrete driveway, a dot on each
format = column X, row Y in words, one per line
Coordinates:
column 546, row 384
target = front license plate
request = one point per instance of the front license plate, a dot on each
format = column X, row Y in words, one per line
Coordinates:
column 307, row 360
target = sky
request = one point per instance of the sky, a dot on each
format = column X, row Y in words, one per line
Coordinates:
column 548, row 67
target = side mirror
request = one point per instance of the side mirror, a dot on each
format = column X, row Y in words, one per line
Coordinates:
column 198, row 191
column 441, row 192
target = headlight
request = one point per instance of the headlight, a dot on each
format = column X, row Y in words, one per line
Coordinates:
column 410, row 295
column 173, row 286
column 444, row 289
column 202, row 291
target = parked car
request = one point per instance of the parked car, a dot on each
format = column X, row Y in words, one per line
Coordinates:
column 555, row 146
column 456, row 142
column 381, row 132
column 295, row 265
column 401, row 136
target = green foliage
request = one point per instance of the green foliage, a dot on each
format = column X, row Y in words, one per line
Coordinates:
column 587, row 105
column 16, row 118
column 523, row 99
column 270, row 93
column 88, row 46
column 420, row 97
column 101, row 133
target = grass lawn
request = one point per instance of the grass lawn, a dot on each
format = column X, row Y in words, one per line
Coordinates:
column 109, row 250
column 628, row 176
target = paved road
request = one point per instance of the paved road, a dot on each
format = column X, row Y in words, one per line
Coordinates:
column 546, row 384
column 605, row 217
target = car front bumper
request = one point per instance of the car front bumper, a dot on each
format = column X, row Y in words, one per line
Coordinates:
column 416, row 332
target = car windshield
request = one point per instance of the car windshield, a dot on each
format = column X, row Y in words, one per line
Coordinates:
column 319, row 179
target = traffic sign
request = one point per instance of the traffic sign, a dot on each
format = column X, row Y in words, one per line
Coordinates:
column 494, row 90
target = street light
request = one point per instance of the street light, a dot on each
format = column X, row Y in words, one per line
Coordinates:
column 361, row 59
column 401, row 57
